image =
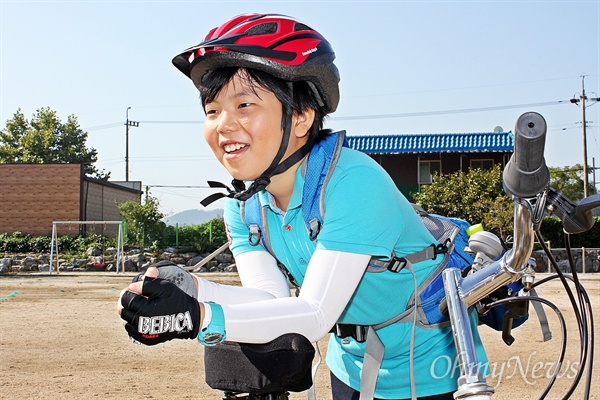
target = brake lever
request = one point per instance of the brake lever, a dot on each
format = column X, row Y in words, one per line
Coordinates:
column 577, row 218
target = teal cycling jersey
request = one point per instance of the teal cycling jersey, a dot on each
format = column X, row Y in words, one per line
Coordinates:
column 365, row 214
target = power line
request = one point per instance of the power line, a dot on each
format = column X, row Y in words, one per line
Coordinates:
column 445, row 112
column 374, row 116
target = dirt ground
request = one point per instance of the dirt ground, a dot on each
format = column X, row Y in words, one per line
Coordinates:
column 61, row 338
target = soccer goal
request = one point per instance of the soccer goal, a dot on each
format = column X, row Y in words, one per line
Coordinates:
column 54, row 244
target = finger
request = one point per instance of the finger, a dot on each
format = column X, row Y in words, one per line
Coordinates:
column 136, row 287
column 127, row 315
column 132, row 301
column 119, row 304
column 156, row 287
column 152, row 272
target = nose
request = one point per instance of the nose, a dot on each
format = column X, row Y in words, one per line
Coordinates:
column 227, row 122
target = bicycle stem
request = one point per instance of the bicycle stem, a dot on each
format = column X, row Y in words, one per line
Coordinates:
column 509, row 268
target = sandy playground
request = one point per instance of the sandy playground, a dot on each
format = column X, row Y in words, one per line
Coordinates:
column 60, row 338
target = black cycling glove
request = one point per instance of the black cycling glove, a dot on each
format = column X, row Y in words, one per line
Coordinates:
column 161, row 313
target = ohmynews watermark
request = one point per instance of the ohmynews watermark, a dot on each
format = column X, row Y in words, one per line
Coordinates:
column 516, row 367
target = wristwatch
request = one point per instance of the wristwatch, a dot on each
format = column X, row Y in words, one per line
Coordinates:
column 214, row 333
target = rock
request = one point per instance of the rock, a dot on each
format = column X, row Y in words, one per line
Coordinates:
column 94, row 251
column 224, row 258
column 30, row 263
column 215, row 268
column 178, row 260
column 81, row 262
column 130, row 266
column 541, row 261
column 188, row 256
column 194, row 260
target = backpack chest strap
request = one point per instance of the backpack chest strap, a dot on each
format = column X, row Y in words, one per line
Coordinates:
column 396, row 264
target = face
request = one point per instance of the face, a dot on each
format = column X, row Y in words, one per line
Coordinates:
column 243, row 128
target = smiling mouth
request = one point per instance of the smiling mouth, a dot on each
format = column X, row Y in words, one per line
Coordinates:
column 232, row 148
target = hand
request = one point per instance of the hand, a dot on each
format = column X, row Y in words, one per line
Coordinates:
column 171, row 272
column 159, row 312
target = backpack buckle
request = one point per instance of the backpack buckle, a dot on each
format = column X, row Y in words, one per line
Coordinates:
column 315, row 228
column 345, row 331
column 254, row 235
column 440, row 248
column 397, row 264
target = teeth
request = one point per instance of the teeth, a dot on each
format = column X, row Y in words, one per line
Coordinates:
column 233, row 147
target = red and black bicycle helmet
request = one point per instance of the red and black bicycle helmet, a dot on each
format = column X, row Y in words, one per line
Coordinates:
column 277, row 44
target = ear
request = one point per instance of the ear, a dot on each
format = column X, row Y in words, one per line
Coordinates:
column 303, row 121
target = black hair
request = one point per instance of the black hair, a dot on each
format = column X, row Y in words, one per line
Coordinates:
column 293, row 96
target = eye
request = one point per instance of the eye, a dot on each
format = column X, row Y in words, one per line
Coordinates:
column 244, row 105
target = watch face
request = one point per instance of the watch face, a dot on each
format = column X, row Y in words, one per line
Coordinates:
column 213, row 338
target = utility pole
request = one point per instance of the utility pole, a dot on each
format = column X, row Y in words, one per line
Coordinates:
column 128, row 123
column 583, row 126
column 582, row 98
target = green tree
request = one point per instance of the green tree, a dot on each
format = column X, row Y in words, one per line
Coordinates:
column 569, row 180
column 143, row 220
column 476, row 196
column 46, row 140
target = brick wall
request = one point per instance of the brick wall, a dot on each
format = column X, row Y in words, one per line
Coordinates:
column 34, row 195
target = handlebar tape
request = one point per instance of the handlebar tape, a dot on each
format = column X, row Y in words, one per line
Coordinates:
column 526, row 173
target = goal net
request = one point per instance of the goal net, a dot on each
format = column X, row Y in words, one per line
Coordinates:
column 54, row 244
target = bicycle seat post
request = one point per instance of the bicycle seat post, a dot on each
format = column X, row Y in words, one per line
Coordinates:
column 472, row 384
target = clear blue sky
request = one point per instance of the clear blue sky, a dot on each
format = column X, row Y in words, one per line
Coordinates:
column 93, row 59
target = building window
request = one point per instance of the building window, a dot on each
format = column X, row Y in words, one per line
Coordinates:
column 427, row 169
column 482, row 164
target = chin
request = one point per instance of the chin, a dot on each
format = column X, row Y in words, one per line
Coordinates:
column 242, row 177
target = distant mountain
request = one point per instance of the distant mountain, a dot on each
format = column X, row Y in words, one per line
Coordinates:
column 192, row 217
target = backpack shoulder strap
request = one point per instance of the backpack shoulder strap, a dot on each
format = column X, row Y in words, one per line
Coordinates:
column 317, row 172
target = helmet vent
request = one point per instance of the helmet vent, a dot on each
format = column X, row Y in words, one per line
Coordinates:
column 263, row 29
column 302, row 27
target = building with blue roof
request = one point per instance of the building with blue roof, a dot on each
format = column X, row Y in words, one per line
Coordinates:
column 412, row 159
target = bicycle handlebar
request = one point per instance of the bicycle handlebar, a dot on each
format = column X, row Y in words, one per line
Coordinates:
column 525, row 177
column 526, row 174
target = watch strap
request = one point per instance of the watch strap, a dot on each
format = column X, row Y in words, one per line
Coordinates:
column 214, row 333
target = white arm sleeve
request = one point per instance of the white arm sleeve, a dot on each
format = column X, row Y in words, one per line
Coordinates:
column 330, row 281
column 261, row 280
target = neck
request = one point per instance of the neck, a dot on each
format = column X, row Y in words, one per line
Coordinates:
column 282, row 186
